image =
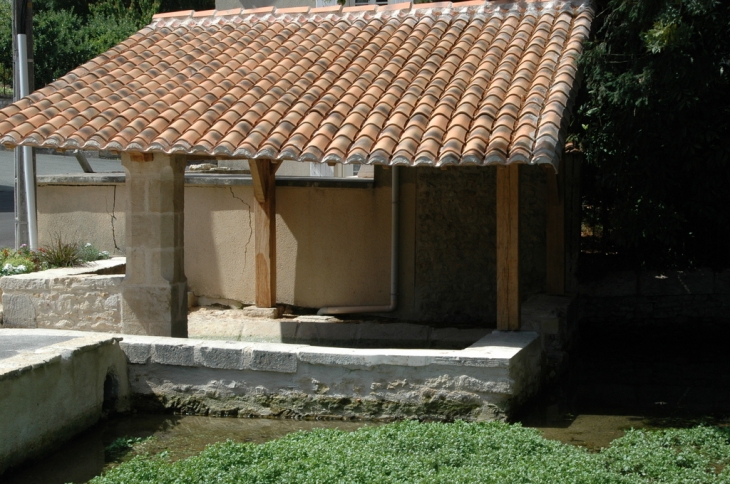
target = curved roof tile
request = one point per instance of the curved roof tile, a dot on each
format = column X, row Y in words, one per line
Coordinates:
column 428, row 84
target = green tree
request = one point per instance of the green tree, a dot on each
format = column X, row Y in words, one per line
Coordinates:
column 68, row 33
column 654, row 120
column 64, row 40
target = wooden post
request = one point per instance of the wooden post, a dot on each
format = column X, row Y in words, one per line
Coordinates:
column 508, row 247
column 555, row 270
column 263, row 173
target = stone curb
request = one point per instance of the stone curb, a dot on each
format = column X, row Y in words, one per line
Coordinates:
column 27, row 360
column 493, row 351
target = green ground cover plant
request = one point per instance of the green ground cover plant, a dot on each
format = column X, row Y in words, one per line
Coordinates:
column 58, row 253
column 412, row 452
column 121, row 447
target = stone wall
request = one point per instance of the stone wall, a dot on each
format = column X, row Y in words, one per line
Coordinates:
column 57, row 383
column 483, row 382
column 53, row 390
column 65, row 298
column 456, row 241
column 656, row 298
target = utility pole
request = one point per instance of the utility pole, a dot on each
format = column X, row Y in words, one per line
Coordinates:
column 23, row 25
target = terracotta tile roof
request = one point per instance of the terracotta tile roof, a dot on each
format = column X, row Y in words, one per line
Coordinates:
column 470, row 83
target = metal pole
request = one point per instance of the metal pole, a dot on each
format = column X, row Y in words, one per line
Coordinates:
column 20, row 25
column 28, row 167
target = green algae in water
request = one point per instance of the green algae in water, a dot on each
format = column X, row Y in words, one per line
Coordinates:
column 455, row 453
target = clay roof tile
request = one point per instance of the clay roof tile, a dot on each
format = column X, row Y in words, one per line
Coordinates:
column 474, row 82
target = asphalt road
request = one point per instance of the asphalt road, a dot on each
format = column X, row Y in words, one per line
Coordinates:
column 45, row 165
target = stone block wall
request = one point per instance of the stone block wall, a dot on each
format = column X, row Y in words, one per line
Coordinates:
column 456, row 241
column 64, row 299
column 486, row 381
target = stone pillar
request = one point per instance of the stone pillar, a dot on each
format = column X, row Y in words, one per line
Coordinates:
column 155, row 288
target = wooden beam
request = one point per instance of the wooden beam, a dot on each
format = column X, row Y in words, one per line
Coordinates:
column 508, row 247
column 263, row 173
column 555, row 223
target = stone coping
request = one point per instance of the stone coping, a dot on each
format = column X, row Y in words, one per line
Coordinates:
column 208, row 179
column 235, row 324
column 35, row 357
column 495, row 350
column 35, row 280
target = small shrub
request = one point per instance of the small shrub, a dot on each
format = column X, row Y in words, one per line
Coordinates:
column 60, row 253
column 57, row 254
column 89, row 253
column 21, row 261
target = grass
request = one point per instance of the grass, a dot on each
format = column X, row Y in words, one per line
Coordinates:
column 412, row 452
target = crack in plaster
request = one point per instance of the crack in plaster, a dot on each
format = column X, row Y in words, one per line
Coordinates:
column 114, row 217
column 250, row 227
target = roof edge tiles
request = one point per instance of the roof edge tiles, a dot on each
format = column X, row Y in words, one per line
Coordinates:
column 437, row 84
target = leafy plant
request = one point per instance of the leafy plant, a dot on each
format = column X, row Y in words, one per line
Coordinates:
column 89, row 253
column 654, row 122
column 21, row 261
column 120, row 447
column 412, row 452
column 61, row 253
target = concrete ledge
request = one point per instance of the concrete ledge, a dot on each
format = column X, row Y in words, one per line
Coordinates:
column 483, row 381
column 55, row 385
column 236, row 324
column 53, row 389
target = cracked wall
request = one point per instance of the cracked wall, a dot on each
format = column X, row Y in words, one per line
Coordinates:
column 333, row 244
column 90, row 213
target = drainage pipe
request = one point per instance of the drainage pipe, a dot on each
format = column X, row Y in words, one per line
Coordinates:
column 28, row 168
column 394, row 243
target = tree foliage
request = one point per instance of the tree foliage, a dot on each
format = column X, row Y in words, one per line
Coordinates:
column 654, row 121
column 67, row 33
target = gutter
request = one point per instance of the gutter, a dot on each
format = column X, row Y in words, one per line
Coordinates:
column 394, row 243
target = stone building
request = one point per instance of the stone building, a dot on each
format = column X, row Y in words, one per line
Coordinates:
column 462, row 110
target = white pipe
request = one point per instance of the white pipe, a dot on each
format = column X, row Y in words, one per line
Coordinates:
column 28, row 168
column 394, row 243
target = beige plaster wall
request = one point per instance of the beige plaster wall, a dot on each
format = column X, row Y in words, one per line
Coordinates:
column 86, row 213
column 333, row 244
